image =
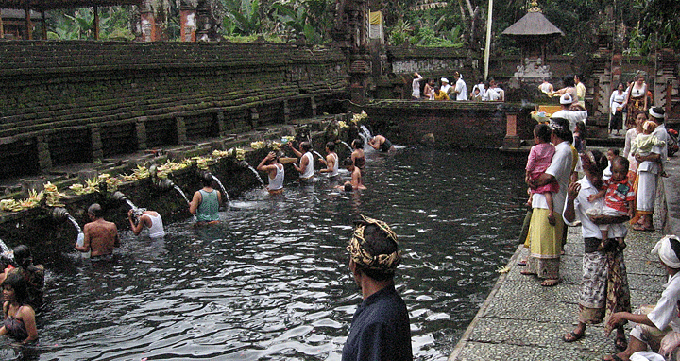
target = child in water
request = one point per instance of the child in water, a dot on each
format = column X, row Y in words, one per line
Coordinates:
column 618, row 196
column 645, row 141
column 540, row 158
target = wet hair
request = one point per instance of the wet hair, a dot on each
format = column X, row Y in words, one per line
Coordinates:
column 568, row 81
column 330, row 146
column 96, row 210
column 615, row 151
column 348, row 187
column 378, row 243
column 358, row 143
column 542, row 132
column 16, row 281
column 622, row 162
column 22, row 256
column 305, row 146
column 347, row 162
column 207, row 179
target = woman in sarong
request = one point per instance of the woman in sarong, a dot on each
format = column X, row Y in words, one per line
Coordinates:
column 605, row 282
column 636, row 100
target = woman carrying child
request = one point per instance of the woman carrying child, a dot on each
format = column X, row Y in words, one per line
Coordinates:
column 540, row 158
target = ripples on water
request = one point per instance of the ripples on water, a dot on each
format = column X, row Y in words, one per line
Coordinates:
column 271, row 282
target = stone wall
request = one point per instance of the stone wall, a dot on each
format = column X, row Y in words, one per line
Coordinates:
column 447, row 123
column 80, row 101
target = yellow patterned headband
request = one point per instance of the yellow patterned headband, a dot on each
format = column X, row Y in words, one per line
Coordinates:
column 362, row 257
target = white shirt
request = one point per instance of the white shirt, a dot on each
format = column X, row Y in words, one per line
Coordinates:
column 665, row 312
column 631, row 135
column 492, row 94
column 461, row 88
column 661, row 134
column 581, row 205
column 446, row 88
column 309, row 170
column 416, row 87
column 572, row 116
column 616, row 100
column 560, row 169
column 479, row 86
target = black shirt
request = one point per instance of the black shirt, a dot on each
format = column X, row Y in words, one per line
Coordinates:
column 380, row 329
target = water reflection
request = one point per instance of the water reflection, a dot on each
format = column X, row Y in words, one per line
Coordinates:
column 271, row 282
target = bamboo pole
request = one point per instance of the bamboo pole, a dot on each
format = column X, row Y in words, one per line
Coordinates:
column 487, row 46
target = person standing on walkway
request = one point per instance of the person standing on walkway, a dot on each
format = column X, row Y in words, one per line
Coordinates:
column 545, row 240
column 605, row 289
column 654, row 325
column 380, row 328
column 580, row 91
column 616, row 104
column 636, row 99
column 460, row 90
column 631, row 135
column 648, row 172
column 206, row 202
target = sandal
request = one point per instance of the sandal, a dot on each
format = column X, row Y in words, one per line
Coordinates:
column 620, row 343
column 550, row 283
column 527, row 273
column 571, row 336
column 522, row 263
column 642, row 228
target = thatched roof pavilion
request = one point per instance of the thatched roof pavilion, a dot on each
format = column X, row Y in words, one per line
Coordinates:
column 533, row 31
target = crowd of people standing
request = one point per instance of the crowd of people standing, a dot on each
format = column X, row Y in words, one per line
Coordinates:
column 428, row 89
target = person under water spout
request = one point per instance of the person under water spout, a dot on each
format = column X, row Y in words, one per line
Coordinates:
column 306, row 167
column 331, row 161
column 381, row 143
column 101, row 236
column 274, row 169
column 206, row 202
column 140, row 218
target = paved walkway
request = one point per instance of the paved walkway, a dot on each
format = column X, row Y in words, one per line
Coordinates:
column 521, row 320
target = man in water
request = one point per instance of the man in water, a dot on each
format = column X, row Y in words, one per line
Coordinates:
column 101, row 236
column 380, row 143
column 380, row 327
column 356, row 182
column 141, row 218
column 274, row 169
column 331, row 161
column 306, row 167
column 206, row 202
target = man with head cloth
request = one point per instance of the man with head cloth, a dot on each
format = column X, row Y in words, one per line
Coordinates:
column 380, row 327
column 653, row 326
column 648, row 173
column 545, row 239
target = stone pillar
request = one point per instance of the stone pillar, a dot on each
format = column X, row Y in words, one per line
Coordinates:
column 254, row 117
column 150, row 30
column 221, row 127
column 97, row 146
column 44, row 157
column 286, row 112
column 511, row 139
column 313, row 105
column 187, row 24
column 140, row 132
column 181, row 130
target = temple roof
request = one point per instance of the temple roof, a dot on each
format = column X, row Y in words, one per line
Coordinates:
column 64, row 4
column 533, row 23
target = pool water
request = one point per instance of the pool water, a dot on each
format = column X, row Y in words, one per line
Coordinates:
column 271, row 281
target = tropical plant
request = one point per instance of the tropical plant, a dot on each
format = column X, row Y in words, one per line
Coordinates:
column 242, row 17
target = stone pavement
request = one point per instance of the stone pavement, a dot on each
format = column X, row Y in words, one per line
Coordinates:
column 521, row 320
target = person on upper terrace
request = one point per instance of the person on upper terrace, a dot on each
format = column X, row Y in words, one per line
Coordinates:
column 494, row 92
column 440, row 94
column 565, row 112
column 545, row 87
column 480, row 87
column 415, row 85
column 569, row 88
column 428, row 92
column 446, row 88
column 580, row 91
column 460, row 90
